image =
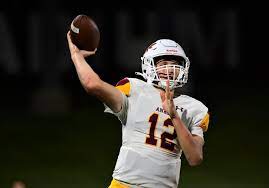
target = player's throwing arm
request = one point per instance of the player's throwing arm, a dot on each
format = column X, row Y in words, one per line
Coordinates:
column 91, row 82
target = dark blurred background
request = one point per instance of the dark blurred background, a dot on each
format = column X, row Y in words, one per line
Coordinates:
column 52, row 134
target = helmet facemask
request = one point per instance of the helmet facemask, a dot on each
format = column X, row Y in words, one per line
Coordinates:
column 177, row 74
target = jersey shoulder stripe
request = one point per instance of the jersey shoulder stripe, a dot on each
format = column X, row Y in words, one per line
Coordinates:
column 124, row 86
column 205, row 122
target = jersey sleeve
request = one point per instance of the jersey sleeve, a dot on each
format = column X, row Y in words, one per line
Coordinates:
column 125, row 87
column 200, row 120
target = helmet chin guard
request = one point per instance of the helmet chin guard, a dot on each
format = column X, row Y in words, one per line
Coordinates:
column 168, row 50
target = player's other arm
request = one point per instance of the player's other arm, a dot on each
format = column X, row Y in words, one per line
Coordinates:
column 191, row 145
column 91, row 82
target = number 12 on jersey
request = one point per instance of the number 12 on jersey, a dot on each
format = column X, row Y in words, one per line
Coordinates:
column 166, row 138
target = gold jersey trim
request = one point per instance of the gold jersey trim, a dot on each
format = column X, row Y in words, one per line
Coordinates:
column 205, row 122
column 126, row 88
column 117, row 184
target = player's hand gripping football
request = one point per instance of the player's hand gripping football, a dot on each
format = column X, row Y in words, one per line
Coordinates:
column 75, row 52
column 167, row 101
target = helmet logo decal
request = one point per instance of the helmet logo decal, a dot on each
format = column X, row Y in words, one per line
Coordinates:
column 171, row 50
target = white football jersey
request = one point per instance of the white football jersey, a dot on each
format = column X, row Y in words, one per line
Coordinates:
column 150, row 151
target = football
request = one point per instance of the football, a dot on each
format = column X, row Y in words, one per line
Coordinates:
column 84, row 33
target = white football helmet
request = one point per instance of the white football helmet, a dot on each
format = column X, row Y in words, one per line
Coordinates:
column 168, row 50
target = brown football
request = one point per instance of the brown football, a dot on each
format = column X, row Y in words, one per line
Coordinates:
column 84, row 33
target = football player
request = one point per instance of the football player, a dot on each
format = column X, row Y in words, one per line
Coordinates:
column 156, row 126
